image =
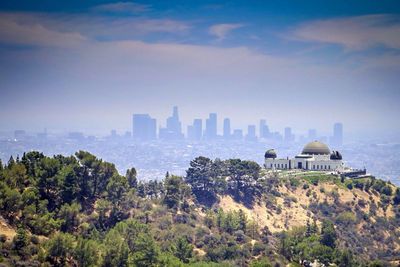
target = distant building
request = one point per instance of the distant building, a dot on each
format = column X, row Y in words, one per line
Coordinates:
column 237, row 134
column 251, row 133
column 144, row 127
column 173, row 131
column 337, row 138
column 211, row 127
column 227, row 129
column 78, row 136
column 194, row 132
column 264, row 130
column 113, row 134
column 288, row 137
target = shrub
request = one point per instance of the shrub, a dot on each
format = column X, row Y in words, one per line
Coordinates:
column 346, row 218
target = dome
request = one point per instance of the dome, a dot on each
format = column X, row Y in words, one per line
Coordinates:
column 270, row 154
column 336, row 155
column 316, row 148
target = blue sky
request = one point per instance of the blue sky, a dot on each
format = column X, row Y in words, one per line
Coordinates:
column 88, row 65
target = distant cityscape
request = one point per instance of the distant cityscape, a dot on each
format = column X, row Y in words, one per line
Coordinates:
column 144, row 128
column 153, row 150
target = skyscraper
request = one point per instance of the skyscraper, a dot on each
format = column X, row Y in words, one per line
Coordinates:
column 195, row 131
column 264, row 130
column 251, row 133
column 337, row 138
column 173, row 131
column 211, row 127
column 144, row 127
column 288, row 137
column 227, row 128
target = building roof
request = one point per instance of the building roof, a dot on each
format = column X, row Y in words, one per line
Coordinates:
column 316, row 148
column 270, row 154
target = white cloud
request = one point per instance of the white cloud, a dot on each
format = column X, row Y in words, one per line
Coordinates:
column 222, row 30
column 122, row 7
column 353, row 33
column 41, row 29
column 14, row 31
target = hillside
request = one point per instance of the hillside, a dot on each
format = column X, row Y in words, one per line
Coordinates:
column 79, row 211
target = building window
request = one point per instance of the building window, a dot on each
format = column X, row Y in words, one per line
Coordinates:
column 317, row 167
column 271, row 165
column 286, row 166
column 313, row 167
column 329, row 166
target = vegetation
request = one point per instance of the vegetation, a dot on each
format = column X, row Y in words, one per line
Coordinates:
column 79, row 211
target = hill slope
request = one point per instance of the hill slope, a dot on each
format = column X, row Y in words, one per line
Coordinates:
column 79, row 211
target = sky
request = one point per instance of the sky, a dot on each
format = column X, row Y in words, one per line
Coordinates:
column 89, row 65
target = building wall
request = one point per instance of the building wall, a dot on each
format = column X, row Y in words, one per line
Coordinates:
column 306, row 164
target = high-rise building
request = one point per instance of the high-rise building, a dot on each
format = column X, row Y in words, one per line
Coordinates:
column 337, row 138
column 251, row 133
column 227, row 128
column 211, row 127
column 288, row 137
column 197, row 129
column 237, row 134
column 194, row 131
column 173, row 131
column 264, row 130
column 144, row 127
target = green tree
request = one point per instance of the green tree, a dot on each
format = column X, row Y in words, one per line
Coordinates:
column 183, row 249
column 147, row 252
column 60, row 249
column 131, row 176
column 87, row 253
column 173, row 191
column 69, row 216
column 20, row 241
column 116, row 250
column 116, row 188
column 328, row 234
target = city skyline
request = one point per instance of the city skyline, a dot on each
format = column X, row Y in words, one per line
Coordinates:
column 90, row 65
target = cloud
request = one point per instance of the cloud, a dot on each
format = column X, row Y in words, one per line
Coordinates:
column 353, row 33
column 222, row 30
column 41, row 29
column 122, row 7
column 14, row 31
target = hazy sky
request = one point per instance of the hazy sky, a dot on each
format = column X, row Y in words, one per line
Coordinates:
column 88, row 65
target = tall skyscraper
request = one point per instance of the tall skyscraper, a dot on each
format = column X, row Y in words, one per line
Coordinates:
column 288, row 137
column 337, row 138
column 264, row 130
column 194, row 131
column 173, row 131
column 144, row 127
column 211, row 127
column 251, row 133
column 227, row 128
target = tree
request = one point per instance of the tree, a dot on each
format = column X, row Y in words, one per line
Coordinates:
column 131, row 176
column 200, row 177
column 328, row 234
column 20, row 241
column 69, row 216
column 183, row 249
column 116, row 250
column 70, row 187
column 60, row 249
column 116, row 188
column 87, row 253
column 147, row 252
column 173, row 191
